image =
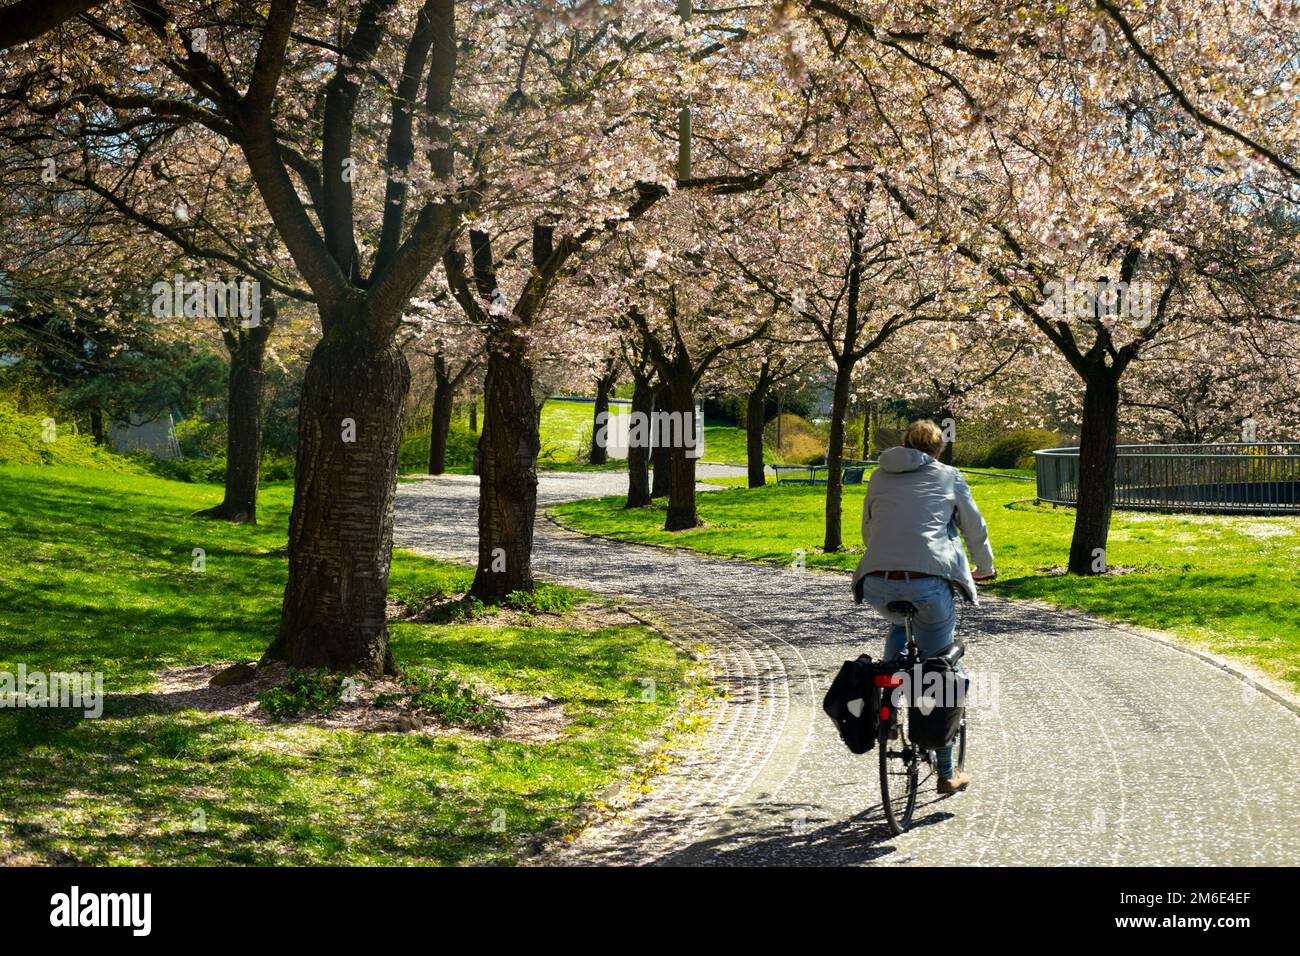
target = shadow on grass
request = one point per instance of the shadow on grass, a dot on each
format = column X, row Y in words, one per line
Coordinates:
column 172, row 789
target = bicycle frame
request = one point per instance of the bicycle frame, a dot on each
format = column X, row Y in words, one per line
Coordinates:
column 909, row 660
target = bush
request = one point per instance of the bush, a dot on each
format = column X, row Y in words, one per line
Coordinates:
column 278, row 469
column 194, row 470
column 543, row 599
column 450, row 702
column 970, row 454
column 210, row 471
column 1015, row 449
column 801, row 443
column 413, row 457
column 201, row 438
column 305, row 692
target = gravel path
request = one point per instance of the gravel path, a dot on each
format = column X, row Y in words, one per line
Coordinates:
column 1099, row 746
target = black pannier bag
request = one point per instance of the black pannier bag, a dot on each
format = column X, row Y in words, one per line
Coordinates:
column 941, row 697
column 853, row 703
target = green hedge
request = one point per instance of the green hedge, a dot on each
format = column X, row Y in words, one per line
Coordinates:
column 1016, row 449
column 1013, row 449
column 211, row 471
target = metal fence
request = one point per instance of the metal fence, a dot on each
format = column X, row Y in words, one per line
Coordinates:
column 1227, row 478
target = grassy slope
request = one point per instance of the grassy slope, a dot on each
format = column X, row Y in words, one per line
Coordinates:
column 25, row 439
column 1229, row 583
column 95, row 575
column 726, row 443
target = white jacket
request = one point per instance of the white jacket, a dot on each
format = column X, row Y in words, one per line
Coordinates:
column 915, row 507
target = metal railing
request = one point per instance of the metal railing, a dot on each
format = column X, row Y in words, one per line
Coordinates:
column 1226, row 478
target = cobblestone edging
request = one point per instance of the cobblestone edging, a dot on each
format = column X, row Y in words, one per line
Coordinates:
column 707, row 776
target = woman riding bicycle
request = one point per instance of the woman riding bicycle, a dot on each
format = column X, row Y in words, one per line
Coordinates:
column 914, row 509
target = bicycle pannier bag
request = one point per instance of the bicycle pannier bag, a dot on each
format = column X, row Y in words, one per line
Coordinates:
column 937, row 705
column 853, row 703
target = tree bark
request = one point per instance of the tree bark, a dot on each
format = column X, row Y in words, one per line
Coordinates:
column 662, row 483
column 946, row 455
column 508, row 483
column 834, row 538
column 681, row 494
column 1099, row 436
column 473, row 415
column 638, row 455
column 780, row 410
column 341, row 529
column 97, row 425
column 440, row 419
column 604, row 385
column 754, row 408
column 244, row 418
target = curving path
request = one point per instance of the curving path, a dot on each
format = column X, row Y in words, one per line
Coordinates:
column 1099, row 747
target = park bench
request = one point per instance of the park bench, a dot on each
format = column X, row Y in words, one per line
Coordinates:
column 851, row 473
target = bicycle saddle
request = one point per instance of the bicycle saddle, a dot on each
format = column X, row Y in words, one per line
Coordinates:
column 901, row 607
column 953, row 652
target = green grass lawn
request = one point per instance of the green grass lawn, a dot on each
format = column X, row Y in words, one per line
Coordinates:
column 726, row 444
column 95, row 575
column 1226, row 583
column 566, row 430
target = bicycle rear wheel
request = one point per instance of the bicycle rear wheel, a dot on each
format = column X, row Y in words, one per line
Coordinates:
column 899, row 778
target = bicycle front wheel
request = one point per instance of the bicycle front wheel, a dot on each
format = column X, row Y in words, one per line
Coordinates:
column 899, row 779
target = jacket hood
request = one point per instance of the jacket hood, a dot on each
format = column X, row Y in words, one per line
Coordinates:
column 903, row 459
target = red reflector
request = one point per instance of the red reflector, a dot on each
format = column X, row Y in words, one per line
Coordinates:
column 884, row 713
column 889, row 680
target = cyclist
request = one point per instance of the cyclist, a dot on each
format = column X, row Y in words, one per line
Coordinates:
column 914, row 509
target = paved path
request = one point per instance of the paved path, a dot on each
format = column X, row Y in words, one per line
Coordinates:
column 1104, row 747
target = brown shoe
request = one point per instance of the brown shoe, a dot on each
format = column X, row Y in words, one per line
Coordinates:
column 958, row 782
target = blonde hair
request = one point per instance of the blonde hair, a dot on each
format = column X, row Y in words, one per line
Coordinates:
column 924, row 436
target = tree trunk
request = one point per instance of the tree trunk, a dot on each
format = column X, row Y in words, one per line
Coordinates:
column 599, row 452
column 866, row 431
column 944, row 415
column 834, row 539
column 508, row 482
column 473, row 416
column 1098, row 437
column 662, row 483
column 440, row 419
column 244, row 410
column 97, row 426
column 638, row 455
column 780, row 407
column 681, row 494
column 754, row 435
column 341, row 529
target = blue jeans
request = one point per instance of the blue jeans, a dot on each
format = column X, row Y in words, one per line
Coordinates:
column 932, row 627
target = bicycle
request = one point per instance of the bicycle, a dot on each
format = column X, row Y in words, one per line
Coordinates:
column 904, row 764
